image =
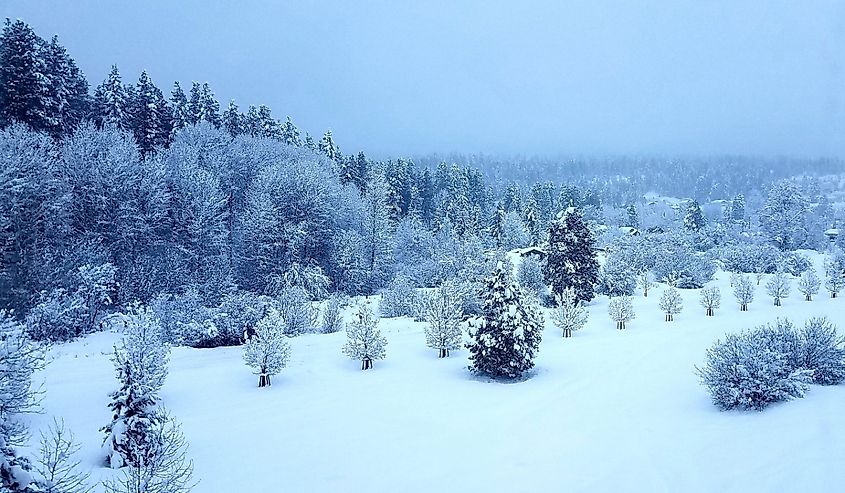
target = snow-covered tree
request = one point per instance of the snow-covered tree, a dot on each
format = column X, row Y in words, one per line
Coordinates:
column 617, row 277
column 571, row 260
column 782, row 216
column 57, row 464
column 809, row 284
column 442, row 311
column 694, row 218
column 167, row 468
column 621, row 310
column 710, row 299
column 364, row 339
column 671, row 302
column 141, row 365
column 645, row 281
column 268, row 351
column 399, row 299
column 529, row 274
column 506, row 339
column 332, row 317
column 834, row 273
column 778, row 287
column 570, row 314
column 19, row 359
column 744, row 292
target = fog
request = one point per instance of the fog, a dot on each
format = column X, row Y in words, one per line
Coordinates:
column 689, row 77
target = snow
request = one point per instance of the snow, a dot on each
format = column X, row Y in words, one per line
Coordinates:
column 604, row 410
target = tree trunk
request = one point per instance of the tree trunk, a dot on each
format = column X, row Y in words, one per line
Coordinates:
column 833, row 295
column 777, row 301
column 367, row 364
column 709, row 312
column 809, row 298
column 567, row 333
column 263, row 380
column 743, row 307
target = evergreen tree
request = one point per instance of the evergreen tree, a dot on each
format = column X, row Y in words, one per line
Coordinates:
column 233, row 120
column 290, row 134
column 738, row 209
column 111, row 103
column 180, row 110
column 694, row 218
column 507, row 338
column 532, row 221
column 150, row 117
column 364, row 339
column 24, row 82
column 834, row 273
column 497, row 226
column 67, row 103
column 329, row 148
column 571, row 260
column 633, row 219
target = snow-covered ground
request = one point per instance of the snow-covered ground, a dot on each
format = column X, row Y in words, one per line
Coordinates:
column 606, row 410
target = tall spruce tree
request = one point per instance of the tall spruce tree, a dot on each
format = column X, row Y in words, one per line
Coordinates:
column 179, row 108
column 233, row 120
column 508, row 336
column 571, row 259
column 111, row 102
column 24, row 85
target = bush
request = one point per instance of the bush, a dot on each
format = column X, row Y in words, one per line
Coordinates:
column 745, row 372
column 822, row 351
column 298, row 314
column 795, row 263
column 684, row 268
column 184, row 318
column 55, row 318
column 237, row 312
column 749, row 259
column 332, row 317
column 398, row 299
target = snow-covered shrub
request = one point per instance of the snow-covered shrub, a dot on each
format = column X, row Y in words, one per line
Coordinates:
column 298, row 314
column 834, row 273
column 795, row 263
column 56, row 317
column 398, row 299
column 617, row 277
column 96, row 289
column 683, row 268
column 529, row 274
column 332, row 316
column 310, row 278
column 141, row 365
column 744, row 371
column 441, row 310
column 822, row 351
column 671, row 303
column 184, row 318
column 570, row 314
column 19, row 359
column 778, row 287
column 469, row 292
column 364, row 340
column 506, row 339
column 809, row 284
column 743, row 291
column 749, row 259
column 621, row 311
column 236, row 313
column 267, row 353
column 710, row 298
column 167, row 468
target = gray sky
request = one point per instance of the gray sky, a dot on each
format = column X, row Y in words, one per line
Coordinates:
column 571, row 77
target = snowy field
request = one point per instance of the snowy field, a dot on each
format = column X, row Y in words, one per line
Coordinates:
column 606, row 410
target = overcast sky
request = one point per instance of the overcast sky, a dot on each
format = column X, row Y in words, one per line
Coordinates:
column 571, row 77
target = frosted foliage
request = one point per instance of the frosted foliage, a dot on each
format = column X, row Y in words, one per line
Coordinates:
column 809, row 284
column 507, row 337
column 822, row 351
column 834, row 273
column 744, row 291
column 621, row 310
column 570, row 314
column 441, row 310
column 399, row 299
column 529, row 274
column 778, row 287
column 364, row 340
column 268, row 352
column 710, row 298
column 671, row 303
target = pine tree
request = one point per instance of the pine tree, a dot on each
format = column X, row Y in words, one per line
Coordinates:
column 290, row 134
column 532, row 221
column 233, row 120
column 442, row 312
column 180, row 111
column 268, row 351
column 24, row 85
column 621, row 310
column 570, row 314
column 329, row 148
column 671, row 303
column 694, row 218
column 507, row 338
column 571, row 260
column 710, row 299
column 834, row 273
column 633, row 220
column 364, row 339
column 141, row 365
column 111, row 103
column 738, row 209
column 149, row 115
column 778, row 287
column 809, row 284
